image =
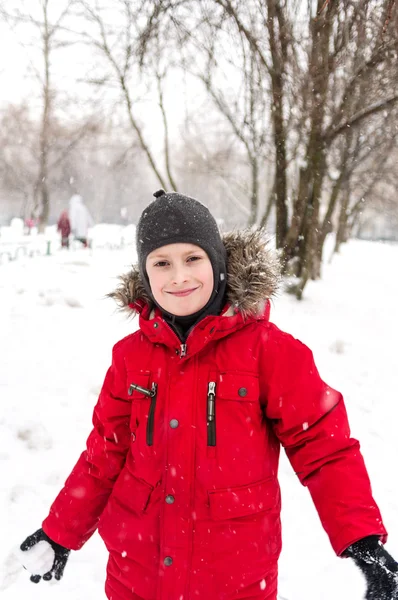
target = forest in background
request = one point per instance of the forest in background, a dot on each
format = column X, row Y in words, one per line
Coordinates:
column 279, row 113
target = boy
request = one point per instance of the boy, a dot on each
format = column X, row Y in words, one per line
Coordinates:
column 180, row 471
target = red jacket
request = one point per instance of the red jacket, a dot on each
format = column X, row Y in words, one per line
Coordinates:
column 63, row 225
column 189, row 505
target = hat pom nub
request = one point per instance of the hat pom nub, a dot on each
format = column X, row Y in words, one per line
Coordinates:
column 159, row 193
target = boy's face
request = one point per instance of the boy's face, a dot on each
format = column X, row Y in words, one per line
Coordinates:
column 181, row 278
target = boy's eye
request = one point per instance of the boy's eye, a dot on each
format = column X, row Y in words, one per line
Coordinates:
column 165, row 263
column 193, row 258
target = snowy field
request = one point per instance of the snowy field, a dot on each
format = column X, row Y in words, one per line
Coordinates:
column 57, row 331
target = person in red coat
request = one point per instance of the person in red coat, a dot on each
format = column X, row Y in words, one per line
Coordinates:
column 64, row 229
column 180, row 471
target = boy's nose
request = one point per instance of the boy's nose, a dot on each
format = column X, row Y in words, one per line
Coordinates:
column 179, row 275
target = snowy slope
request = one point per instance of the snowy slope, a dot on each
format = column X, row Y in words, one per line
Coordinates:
column 57, row 332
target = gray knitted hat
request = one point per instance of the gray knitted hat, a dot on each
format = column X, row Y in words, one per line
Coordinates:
column 173, row 218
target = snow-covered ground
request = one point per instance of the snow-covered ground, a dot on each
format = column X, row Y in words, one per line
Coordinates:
column 57, row 331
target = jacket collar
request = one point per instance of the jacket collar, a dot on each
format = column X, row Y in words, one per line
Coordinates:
column 210, row 328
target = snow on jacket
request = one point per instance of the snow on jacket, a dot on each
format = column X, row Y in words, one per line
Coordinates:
column 188, row 506
column 79, row 215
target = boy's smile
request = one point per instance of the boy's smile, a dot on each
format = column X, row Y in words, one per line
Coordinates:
column 181, row 278
column 183, row 292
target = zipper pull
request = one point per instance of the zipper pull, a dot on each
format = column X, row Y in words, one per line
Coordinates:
column 211, row 405
column 139, row 388
column 211, row 396
column 183, row 351
column 151, row 415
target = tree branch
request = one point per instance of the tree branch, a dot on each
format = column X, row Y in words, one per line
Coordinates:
column 361, row 115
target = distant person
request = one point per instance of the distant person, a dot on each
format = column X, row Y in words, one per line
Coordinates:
column 180, row 474
column 29, row 224
column 64, row 229
column 124, row 217
column 80, row 219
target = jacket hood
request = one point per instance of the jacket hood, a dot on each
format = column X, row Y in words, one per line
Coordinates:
column 75, row 199
column 253, row 275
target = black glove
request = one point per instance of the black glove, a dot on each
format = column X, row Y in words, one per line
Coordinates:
column 379, row 568
column 61, row 555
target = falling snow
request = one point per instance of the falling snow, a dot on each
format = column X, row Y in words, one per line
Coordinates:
column 54, row 356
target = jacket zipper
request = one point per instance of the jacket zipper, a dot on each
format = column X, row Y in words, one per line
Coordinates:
column 182, row 352
column 211, row 414
column 151, row 414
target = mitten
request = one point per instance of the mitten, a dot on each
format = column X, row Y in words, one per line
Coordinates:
column 378, row 567
column 34, row 563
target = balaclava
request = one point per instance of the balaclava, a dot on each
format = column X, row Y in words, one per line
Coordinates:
column 173, row 218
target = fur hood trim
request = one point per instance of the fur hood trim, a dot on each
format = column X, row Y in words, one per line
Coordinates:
column 253, row 275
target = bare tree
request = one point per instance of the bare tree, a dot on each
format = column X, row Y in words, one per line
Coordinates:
column 45, row 20
column 217, row 56
column 115, row 37
column 18, row 151
column 20, row 157
column 246, row 119
column 306, row 106
column 327, row 77
column 332, row 101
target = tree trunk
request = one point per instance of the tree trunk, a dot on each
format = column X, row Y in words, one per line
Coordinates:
column 342, row 226
column 278, row 66
column 45, row 127
column 166, row 134
column 306, row 222
column 254, row 193
column 327, row 226
column 137, row 129
column 270, row 203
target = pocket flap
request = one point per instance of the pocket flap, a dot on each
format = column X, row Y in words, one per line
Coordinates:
column 141, row 378
column 244, row 500
column 131, row 491
column 238, row 386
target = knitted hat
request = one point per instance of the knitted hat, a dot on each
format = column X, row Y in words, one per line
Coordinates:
column 173, row 218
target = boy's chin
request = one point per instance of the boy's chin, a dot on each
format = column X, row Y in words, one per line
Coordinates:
column 185, row 313
column 181, row 312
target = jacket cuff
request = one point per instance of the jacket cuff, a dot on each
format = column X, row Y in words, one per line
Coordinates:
column 61, row 537
column 348, row 538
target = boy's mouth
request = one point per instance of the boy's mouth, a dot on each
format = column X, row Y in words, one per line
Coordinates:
column 183, row 293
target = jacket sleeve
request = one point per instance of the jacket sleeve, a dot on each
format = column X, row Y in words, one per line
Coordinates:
column 75, row 513
column 310, row 420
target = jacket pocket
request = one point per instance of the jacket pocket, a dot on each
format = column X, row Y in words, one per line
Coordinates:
column 140, row 401
column 238, row 387
column 132, row 493
column 245, row 500
column 241, row 391
column 130, row 496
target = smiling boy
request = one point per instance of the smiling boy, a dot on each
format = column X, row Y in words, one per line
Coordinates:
column 180, row 474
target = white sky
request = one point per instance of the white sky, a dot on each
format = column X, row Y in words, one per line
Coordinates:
column 13, row 84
